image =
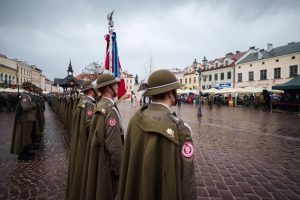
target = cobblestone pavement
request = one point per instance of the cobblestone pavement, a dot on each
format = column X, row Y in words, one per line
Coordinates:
column 45, row 176
column 240, row 154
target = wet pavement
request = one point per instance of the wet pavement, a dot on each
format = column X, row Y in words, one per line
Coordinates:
column 240, row 154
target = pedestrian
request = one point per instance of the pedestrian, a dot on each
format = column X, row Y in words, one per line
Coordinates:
column 79, row 138
column 158, row 159
column 134, row 100
column 105, row 145
column 210, row 101
column 24, row 125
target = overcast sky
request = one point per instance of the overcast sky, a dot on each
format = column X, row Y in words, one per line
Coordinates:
column 48, row 33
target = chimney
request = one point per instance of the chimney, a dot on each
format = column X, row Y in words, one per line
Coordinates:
column 229, row 54
column 252, row 48
column 259, row 54
column 269, row 47
column 236, row 52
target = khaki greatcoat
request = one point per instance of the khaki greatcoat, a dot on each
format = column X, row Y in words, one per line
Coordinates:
column 153, row 166
column 104, row 152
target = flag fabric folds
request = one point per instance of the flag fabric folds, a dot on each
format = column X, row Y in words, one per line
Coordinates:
column 112, row 61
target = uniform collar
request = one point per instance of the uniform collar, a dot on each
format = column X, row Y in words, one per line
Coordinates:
column 157, row 105
column 108, row 99
column 92, row 98
column 166, row 129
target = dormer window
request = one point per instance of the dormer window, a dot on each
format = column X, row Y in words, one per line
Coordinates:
column 216, row 64
column 226, row 62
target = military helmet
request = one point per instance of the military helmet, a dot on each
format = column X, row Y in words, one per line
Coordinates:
column 161, row 81
column 106, row 79
column 27, row 85
column 87, row 85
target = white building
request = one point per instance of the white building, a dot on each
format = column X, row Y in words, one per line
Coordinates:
column 265, row 68
column 219, row 73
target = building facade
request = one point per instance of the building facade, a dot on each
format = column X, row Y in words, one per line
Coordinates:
column 265, row 68
column 23, row 72
column 48, row 85
column 129, row 80
column 43, row 82
column 8, row 70
column 219, row 73
column 36, row 76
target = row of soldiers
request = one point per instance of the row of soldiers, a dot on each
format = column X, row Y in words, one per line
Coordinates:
column 156, row 160
column 8, row 101
column 28, row 123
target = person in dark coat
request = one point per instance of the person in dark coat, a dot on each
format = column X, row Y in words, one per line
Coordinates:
column 79, row 137
column 158, row 158
column 24, row 125
column 105, row 145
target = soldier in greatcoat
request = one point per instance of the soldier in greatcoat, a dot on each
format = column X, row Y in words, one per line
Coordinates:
column 158, row 158
column 24, row 124
column 105, row 145
column 80, row 132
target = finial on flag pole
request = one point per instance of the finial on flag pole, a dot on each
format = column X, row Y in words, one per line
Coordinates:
column 110, row 22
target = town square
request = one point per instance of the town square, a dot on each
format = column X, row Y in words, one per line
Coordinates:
column 176, row 100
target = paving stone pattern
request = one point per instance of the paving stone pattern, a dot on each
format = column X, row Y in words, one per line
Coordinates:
column 240, row 154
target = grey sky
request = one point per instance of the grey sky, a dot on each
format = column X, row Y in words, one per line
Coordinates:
column 49, row 33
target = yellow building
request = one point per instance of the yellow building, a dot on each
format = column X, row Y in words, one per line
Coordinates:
column 8, row 70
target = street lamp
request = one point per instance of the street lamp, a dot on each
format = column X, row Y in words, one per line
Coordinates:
column 198, row 70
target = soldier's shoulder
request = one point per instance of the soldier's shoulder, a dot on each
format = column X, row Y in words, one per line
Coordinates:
column 182, row 126
column 103, row 107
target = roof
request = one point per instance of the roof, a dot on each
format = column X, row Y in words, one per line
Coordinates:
column 66, row 81
column 290, row 48
column 293, row 84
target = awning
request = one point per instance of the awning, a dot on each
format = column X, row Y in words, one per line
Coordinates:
column 293, row 84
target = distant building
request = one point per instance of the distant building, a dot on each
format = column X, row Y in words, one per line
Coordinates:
column 129, row 81
column 23, row 72
column 36, row 76
column 8, row 70
column 264, row 68
column 48, row 85
column 219, row 73
column 69, row 82
column 43, row 82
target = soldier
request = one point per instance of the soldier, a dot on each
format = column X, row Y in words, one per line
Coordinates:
column 158, row 158
column 24, row 124
column 80, row 131
column 105, row 145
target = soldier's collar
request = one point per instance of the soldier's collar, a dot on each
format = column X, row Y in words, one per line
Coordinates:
column 92, row 98
column 110, row 100
column 157, row 105
column 166, row 129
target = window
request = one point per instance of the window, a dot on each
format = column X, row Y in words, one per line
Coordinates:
column 216, row 77
column 180, row 80
column 240, row 77
column 277, row 73
column 263, row 63
column 194, row 79
column 185, row 81
column 228, row 75
column 222, row 76
column 204, row 78
column 293, row 57
column 226, row 62
column 216, row 64
column 190, row 80
column 250, row 65
column 263, row 74
column 293, row 70
column 277, row 60
column 251, row 76
column 210, row 77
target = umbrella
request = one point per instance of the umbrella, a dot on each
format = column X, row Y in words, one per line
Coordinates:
column 211, row 91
